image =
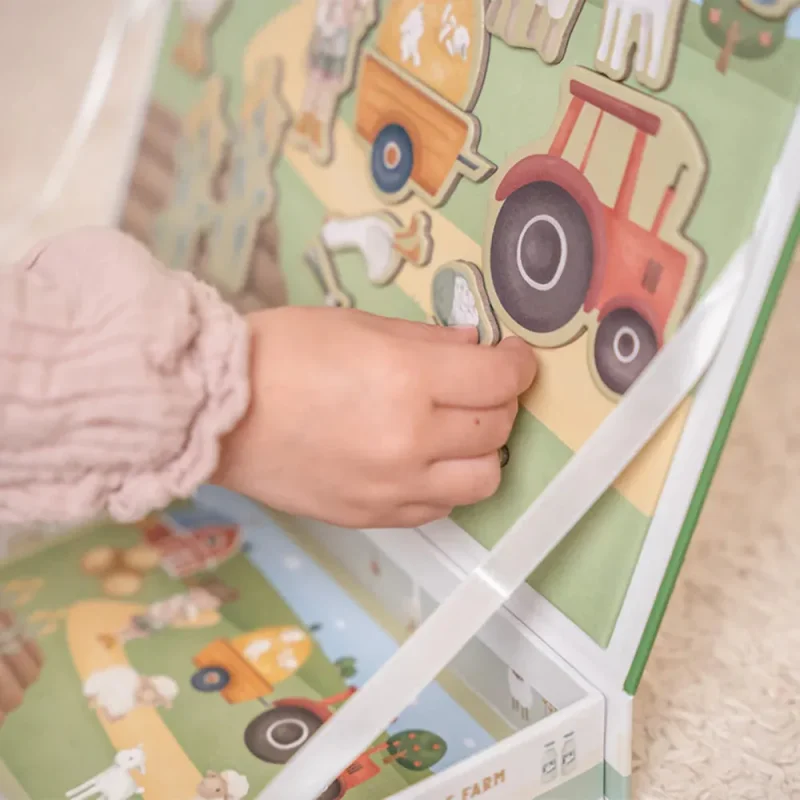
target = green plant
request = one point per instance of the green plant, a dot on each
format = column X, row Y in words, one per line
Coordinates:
column 416, row 750
column 347, row 666
column 739, row 31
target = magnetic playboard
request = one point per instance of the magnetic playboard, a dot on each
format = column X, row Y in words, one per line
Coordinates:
column 574, row 173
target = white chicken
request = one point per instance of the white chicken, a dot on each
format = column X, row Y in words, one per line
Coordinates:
column 372, row 236
column 382, row 246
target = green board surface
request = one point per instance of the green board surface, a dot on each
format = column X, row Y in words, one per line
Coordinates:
column 741, row 118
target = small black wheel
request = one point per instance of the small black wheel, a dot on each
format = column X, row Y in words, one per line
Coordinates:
column 392, row 159
column 211, row 679
column 541, row 256
column 277, row 734
column 625, row 344
column 333, row 792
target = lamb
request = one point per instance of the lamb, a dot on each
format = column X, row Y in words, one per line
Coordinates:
column 226, row 785
column 114, row 783
column 119, row 690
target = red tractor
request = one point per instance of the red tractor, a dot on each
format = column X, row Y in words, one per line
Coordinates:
column 242, row 669
column 558, row 254
column 278, row 733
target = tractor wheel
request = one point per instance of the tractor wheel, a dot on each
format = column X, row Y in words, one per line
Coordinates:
column 276, row 735
column 333, row 792
column 210, row 679
column 624, row 345
column 541, row 257
column 392, row 159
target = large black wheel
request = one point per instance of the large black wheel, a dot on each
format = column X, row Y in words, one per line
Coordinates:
column 541, row 256
column 276, row 735
column 211, row 679
column 625, row 344
column 333, row 792
column 392, row 159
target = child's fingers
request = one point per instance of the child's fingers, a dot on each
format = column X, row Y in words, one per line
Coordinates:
column 461, row 482
column 467, row 433
column 482, row 377
column 423, row 331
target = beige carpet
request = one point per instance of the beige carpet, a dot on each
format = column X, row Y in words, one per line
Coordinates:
column 718, row 715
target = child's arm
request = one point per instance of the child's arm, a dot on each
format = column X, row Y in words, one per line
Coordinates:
column 124, row 385
column 117, row 378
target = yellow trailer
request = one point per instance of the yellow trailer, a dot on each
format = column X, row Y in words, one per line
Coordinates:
column 415, row 91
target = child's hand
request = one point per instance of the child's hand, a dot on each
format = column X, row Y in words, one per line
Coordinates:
column 367, row 422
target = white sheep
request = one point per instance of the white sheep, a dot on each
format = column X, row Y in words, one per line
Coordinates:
column 225, row 785
column 114, row 783
column 119, row 690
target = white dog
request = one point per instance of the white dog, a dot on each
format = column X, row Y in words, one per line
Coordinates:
column 117, row 691
column 114, row 783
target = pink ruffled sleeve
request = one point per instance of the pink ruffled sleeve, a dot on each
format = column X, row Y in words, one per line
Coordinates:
column 117, row 379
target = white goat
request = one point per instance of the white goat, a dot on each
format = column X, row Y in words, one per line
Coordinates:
column 114, row 783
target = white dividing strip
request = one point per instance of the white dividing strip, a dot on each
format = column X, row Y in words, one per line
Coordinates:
column 126, row 13
column 781, row 204
column 660, row 389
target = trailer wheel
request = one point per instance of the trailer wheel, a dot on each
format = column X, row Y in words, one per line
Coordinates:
column 392, row 159
column 210, row 679
column 625, row 344
column 541, row 256
column 333, row 792
column 277, row 734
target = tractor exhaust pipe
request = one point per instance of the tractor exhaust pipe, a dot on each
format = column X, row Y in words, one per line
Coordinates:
column 667, row 200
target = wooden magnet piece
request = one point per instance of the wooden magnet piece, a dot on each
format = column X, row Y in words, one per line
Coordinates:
column 205, row 136
column 247, row 192
column 415, row 91
column 585, row 232
column 540, row 25
column 384, row 243
column 745, row 28
column 640, row 36
column 331, row 60
column 459, row 297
